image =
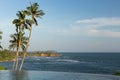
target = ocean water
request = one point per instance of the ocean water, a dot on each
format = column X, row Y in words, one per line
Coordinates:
column 100, row 63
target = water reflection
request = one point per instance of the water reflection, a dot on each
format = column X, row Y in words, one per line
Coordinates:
column 47, row 75
column 18, row 75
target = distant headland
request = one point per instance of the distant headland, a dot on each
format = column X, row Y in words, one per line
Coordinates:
column 7, row 55
column 44, row 54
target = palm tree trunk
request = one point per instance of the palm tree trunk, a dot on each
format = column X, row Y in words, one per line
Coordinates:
column 25, row 51
column 13, row 67
column 16, row 60
column 17, row 53
column 14, row 64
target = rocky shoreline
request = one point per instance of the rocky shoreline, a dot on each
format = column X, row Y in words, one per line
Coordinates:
column 45, row 55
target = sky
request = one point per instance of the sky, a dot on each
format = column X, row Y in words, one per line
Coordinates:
column 68, row 25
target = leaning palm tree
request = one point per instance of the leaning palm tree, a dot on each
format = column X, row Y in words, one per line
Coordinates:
column 15, row 40
column 14, row 43
column 34, row 12
column 20, row 24
column 0, row 39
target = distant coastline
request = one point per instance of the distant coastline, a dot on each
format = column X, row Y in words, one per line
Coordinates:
column 44, row 54
column 7, row 55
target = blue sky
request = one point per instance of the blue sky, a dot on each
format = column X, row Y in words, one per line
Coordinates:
column 68, row 25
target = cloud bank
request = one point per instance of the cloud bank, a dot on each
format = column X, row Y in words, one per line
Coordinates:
column 95, row 27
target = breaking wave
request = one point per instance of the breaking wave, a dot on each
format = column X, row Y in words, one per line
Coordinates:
column 67, row 60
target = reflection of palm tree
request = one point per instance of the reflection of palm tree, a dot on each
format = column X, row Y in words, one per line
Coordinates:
column 15, row 43
column 19, row 75
column 0, row 39
column 34, row 12
column 20, row 26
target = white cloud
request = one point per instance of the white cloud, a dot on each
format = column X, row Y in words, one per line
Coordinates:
column 89, row 27
column 101, row 21
column 104, row 33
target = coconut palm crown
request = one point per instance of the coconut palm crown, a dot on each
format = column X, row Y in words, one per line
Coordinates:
column 34, row 11
column 15, row 41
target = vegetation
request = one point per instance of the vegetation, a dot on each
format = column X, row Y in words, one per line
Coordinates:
column 20, row 39
column 14, row 42
column 117, row 74
column 44, row 54
column 6, row 55
column 3, row 68
column 0, row 39
column 34, row 12
column 22, row 23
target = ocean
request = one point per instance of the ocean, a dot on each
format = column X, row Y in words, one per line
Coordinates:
column 98, row 63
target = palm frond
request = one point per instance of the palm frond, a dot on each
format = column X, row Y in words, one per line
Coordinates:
column 23, row 47
column 1, row 47
column 0, row 37
column 1, row 32
column 28, row 8
column 22, row 16
column 41, row 12
column 26, row 12
column 12, row 46
column 15, row 40
column 35, row 12
column 16, row 21
column 35, row 22
column 29, row 22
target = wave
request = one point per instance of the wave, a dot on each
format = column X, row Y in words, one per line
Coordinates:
column 67, row 60
column 47, row 59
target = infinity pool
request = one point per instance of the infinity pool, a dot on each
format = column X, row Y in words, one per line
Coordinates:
column 47, row 75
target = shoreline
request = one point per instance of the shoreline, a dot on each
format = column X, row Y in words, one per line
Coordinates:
column 34, row 55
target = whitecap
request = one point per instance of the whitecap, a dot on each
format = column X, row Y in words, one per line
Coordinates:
column 67, row 60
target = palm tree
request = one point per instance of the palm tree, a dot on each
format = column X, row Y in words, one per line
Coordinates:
column 20, row 24
column 15, row 43
column 34, row 12
column 0, row 39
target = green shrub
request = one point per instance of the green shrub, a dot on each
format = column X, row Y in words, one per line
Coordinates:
column 6, row 55
column 117, row 73
column 3, row 68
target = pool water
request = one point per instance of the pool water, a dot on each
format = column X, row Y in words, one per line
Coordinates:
column 48, row 75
